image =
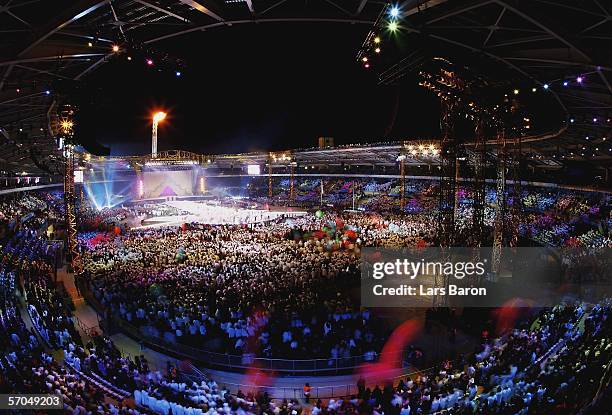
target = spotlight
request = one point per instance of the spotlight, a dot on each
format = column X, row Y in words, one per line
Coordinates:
column 572, row 120
column 90, row 44
column 516, row 92
column 367, row 65
column 129, row 58
column 533, row 89
column 377, row 40
column 18, row 90
column 579, row 79
column 394, row 11
column 545, row 86
column 159, row 116
column 150, row 62
column 364, row 59
column 377, row 50
column 178, row 73
column 393, row 26
column 115, row 48
column 594, row 119
column 48, row 92
column 565, row 83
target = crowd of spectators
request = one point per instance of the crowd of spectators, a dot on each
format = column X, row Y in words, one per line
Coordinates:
column 272, row 289
column 186, row 283
column 514, row 374
column 185, row 279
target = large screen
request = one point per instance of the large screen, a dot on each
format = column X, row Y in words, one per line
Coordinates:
column 253, row 169
column 166, row 183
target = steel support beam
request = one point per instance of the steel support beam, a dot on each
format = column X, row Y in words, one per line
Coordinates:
column 92, row 67
column 6, row 75
column 361, row 6
column 194, row 4
column 162, row 10
column 544, row 28
column 81, row 9
column 82, row 56
column 258, row 21
column 250, row 6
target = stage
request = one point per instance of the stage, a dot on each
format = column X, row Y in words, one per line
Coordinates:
column 214, row 213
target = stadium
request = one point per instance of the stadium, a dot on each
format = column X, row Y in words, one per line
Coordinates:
column 322, row 207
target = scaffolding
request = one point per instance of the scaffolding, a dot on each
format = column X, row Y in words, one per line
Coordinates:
column 446, row 194
column 402, row 160
column 292, row 183
column 479, row 183
column 500, row 206
column 516, row 212
column 448, row 166
column 70, row 203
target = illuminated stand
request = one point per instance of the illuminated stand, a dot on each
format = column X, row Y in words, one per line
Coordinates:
column 157, row 118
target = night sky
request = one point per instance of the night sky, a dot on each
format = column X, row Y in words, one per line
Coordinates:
column 252, row 87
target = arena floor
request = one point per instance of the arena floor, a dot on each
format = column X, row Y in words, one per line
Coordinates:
column 215, row 214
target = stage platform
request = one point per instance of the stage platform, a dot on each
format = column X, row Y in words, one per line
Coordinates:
column 211, row 213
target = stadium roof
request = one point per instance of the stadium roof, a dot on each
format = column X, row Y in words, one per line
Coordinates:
column 538, row 41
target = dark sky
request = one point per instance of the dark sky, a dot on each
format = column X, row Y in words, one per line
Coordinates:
column 252, row 87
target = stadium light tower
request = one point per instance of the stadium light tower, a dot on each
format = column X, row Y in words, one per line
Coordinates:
column 157, row 118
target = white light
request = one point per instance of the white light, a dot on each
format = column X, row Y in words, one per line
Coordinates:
column 394, row 11
column 253, row 169
column 78, row 176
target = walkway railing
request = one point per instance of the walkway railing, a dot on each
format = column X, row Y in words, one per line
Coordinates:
column 241, row 362
column 90, row 331
column 292, row 392
column 237, row 362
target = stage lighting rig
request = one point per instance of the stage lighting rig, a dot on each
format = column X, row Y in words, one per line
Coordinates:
column 420, row 149
column 373, row 39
